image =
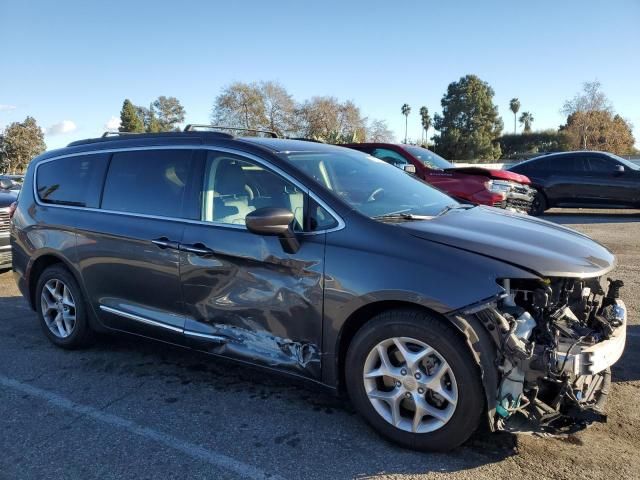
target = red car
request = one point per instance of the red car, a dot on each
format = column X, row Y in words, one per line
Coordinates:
column 485, row 186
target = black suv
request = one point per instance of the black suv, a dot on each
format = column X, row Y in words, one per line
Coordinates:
column 328, row 264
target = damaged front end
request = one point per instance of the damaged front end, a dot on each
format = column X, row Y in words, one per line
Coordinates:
column 556, row 340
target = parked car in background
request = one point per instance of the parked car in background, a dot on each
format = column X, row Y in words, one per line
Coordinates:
column 323, row 262
column 582, row 179
column 12, row 183
column 7, row 207
column 483, row 186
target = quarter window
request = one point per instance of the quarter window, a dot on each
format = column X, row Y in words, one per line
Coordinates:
column 234, row 187
column 151, row 182
column 75, row 181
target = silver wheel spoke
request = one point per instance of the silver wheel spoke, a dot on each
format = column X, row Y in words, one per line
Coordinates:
column 411, row 358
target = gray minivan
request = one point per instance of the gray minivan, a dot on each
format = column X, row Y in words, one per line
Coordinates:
column 327, row 264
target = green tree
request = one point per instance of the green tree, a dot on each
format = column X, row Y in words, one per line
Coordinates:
column 580, row 112
column 514, row 106
column 130, row 121
column 406, row 110
column 425, row 121
column 169, row 113
column 605, row 132
column 526, row 119
column 469, row 125
column 152, row 125
column 21, row 141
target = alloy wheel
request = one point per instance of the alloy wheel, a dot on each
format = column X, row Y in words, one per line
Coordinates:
column 58, row 308
column 410, row 385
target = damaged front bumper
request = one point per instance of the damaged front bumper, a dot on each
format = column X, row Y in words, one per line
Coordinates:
column 593, row 359
column 554, row 342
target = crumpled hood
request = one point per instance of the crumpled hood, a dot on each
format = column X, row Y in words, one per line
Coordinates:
column 493, row 173
column 543, row 247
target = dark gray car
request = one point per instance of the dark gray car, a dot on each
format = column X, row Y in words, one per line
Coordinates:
column 327, row 264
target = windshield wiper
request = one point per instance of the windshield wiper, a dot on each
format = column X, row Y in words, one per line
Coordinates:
column 402, row 216
column 448, row 208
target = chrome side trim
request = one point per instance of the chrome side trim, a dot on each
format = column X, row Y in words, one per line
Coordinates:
column 215, row 338
column 232, row 151
column 138, row 318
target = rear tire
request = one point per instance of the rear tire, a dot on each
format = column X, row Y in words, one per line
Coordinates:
column 438, row 412
column 61, row 309
column 539, row 204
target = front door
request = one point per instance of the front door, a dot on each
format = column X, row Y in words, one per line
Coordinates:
column 245, row 297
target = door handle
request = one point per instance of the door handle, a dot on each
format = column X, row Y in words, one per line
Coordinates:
column 199, row 249
column 164, row 242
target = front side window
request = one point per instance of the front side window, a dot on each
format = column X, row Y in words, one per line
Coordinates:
column 601, row 165
column 234, row 187
column 150, row 182
column 369, row 185
column 75, row 181
column 428, row 158
column 389, row 156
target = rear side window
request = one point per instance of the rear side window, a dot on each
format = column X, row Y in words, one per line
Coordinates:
column 151, row 182
column 75, row 181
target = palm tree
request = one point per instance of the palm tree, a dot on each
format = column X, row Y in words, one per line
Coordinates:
column 426, row 123
column 514, row 105
column 527, row 119
column 406, row 110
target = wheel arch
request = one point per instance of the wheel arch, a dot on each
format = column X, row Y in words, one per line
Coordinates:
column 468, row 328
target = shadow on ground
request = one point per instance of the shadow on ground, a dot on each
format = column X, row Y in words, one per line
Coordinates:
column 186, row 373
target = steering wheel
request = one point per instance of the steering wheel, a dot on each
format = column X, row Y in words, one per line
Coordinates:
column 374, row 194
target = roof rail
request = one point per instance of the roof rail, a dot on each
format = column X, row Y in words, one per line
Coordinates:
column 193, row 126
column 109, row 133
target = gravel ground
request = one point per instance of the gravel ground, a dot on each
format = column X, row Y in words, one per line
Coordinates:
column 128, row 408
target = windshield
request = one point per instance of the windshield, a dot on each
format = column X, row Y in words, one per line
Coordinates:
column 369, row 185
column 428, row 158
column 625, row 162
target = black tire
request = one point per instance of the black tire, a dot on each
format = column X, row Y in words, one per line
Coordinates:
column 436, row 333
column 81, row 335
column 539, row 204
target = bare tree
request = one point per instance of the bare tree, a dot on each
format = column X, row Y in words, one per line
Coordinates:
column 240, row 105
column 329, row 120
column 378, row 131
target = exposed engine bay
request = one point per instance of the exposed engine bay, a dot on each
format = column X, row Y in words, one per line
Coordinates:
column 556, row 340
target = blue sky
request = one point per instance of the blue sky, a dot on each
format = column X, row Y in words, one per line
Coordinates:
column 70, row 64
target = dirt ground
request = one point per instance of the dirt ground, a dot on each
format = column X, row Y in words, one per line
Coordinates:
column 128, row 408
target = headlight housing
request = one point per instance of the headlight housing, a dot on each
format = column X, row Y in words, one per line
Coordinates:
column 498, row 186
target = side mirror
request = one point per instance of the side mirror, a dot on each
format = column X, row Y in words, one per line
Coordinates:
column 409, row 168
column 619, row 169
column 275, row 222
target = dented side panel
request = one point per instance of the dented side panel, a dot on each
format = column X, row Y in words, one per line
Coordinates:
column 252, row 301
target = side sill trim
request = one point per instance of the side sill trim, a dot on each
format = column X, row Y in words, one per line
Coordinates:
column 138, row 318
column 206, row 336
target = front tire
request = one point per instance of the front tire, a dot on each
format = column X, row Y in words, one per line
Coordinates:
column 413, row 379
column 61, row 309
column 539, row 204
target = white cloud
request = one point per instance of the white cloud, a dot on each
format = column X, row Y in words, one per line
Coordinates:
column 6, row 108
column 65, row 126
column 112, row 124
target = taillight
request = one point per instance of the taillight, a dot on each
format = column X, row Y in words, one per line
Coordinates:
column 12, row 209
